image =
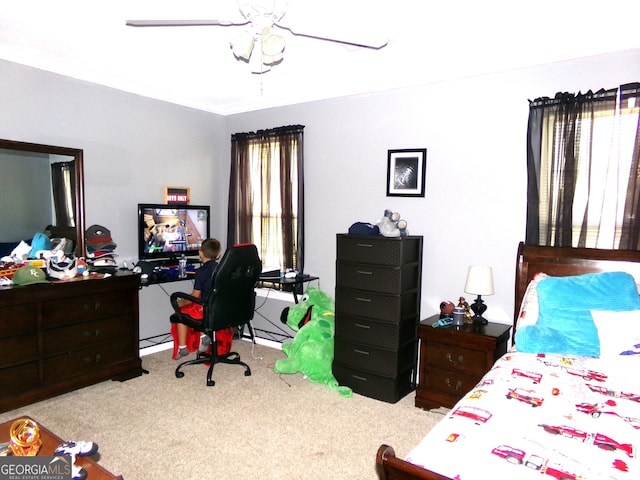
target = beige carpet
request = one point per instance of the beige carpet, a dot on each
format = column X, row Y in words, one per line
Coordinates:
column 264, row 426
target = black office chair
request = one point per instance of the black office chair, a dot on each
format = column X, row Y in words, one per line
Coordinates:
column 231, row 304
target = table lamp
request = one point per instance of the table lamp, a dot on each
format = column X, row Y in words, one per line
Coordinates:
column 479, row 282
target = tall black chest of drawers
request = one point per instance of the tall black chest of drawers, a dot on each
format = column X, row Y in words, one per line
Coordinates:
column 378, row 287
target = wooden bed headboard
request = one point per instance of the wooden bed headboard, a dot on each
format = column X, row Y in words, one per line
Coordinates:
column 564, row 261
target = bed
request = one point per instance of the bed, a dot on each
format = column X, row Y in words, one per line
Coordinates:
column 560, row 403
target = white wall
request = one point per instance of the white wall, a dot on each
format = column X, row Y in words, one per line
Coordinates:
column 133, row 148
column 474, row 130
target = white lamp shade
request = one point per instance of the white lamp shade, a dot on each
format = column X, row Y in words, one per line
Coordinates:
column 479, row 280
column 242, row 45
column 272, row 45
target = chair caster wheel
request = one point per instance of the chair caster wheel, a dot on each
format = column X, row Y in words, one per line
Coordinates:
column 247, row 374
column 179, row 374
column 210, row 383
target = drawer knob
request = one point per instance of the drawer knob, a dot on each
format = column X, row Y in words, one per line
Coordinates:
column 457, row 386
column 459, row 359
column 94, row 334
column 359, row 325
column 93, row 307
column 95, row 359
column 364, row 272
column 361, row 352
column 360, row 299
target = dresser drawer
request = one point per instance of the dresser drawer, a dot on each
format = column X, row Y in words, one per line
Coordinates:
column 19, row 378
column 19, row 349
column 89, row 360
column 82, row 335
column 373, row 359
column 387, row 389
column 383, row 279
column 456, row 358
column 392, row 308
column 88, row 307
column 374, row 333
column 18, row 319
column 379, row 250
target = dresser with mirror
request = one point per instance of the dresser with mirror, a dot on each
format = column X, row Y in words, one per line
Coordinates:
column 62, row 335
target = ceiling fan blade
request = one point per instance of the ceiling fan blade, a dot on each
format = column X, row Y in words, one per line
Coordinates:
column 183, row 23
column 375, row 41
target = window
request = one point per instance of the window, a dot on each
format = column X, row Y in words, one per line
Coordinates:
column 266, row 195
column 583, row 169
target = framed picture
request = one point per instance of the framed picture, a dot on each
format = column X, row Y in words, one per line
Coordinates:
column 406, row 172
column 176, row 195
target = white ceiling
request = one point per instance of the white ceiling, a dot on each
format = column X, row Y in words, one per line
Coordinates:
column 194, row 66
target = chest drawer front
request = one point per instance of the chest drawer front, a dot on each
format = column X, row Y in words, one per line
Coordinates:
column 88, row 307
column 456, row 358
column 376, row 334
column 378, row 250
column 377, row 278
column 387, row 389
column 391, row 308
column 372, row 359
column 18, row 319
column 82, row 335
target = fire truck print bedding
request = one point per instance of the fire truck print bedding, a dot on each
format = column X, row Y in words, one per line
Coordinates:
column 536, row 416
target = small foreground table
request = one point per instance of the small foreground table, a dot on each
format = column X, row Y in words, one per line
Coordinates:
column 50, row 442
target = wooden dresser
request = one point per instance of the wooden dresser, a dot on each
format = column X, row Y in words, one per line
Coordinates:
column 454, row 359
column 60, row 336
column 378, row 285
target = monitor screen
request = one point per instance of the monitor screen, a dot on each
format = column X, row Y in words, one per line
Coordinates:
column 168, row 231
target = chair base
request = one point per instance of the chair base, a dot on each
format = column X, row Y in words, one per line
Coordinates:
column 232, row 358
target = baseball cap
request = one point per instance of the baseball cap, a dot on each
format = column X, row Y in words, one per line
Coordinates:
column 98, row 237
column 29, row 275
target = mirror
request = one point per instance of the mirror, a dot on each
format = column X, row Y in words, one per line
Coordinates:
column 28, row 204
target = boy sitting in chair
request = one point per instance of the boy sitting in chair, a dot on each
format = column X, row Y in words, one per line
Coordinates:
column 186, row 339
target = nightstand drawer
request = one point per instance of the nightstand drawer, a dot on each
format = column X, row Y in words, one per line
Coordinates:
column 375, row 278
column 374, row 333
column 375, row 360
column 456, row 358
column 379, row 250
column 391, row 308
column 449, row 381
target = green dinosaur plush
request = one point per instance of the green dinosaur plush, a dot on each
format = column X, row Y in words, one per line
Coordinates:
column 311, row 350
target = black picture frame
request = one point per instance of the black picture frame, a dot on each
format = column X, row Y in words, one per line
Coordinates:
column 406, row 172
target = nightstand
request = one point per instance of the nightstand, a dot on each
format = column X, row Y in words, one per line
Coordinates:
column 454, row 359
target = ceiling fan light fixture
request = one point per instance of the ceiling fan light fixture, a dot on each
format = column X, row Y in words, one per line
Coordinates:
column 242, row 46
column 272, row 44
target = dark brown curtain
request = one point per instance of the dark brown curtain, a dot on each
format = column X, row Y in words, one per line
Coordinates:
column 63, row 179
column 561, row 129
column 630, row 239
column 281, row 147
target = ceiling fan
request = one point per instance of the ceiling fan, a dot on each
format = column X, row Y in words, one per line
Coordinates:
column 262, row 19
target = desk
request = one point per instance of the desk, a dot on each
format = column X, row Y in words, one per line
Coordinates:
column 293, row 285
column 50, row 442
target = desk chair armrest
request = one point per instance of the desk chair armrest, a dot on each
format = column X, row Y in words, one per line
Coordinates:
column 181, row 295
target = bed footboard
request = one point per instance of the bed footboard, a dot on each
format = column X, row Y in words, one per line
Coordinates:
column 390, row 467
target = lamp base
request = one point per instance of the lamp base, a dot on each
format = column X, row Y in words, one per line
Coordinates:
column 479, row 321
column 478, row 307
